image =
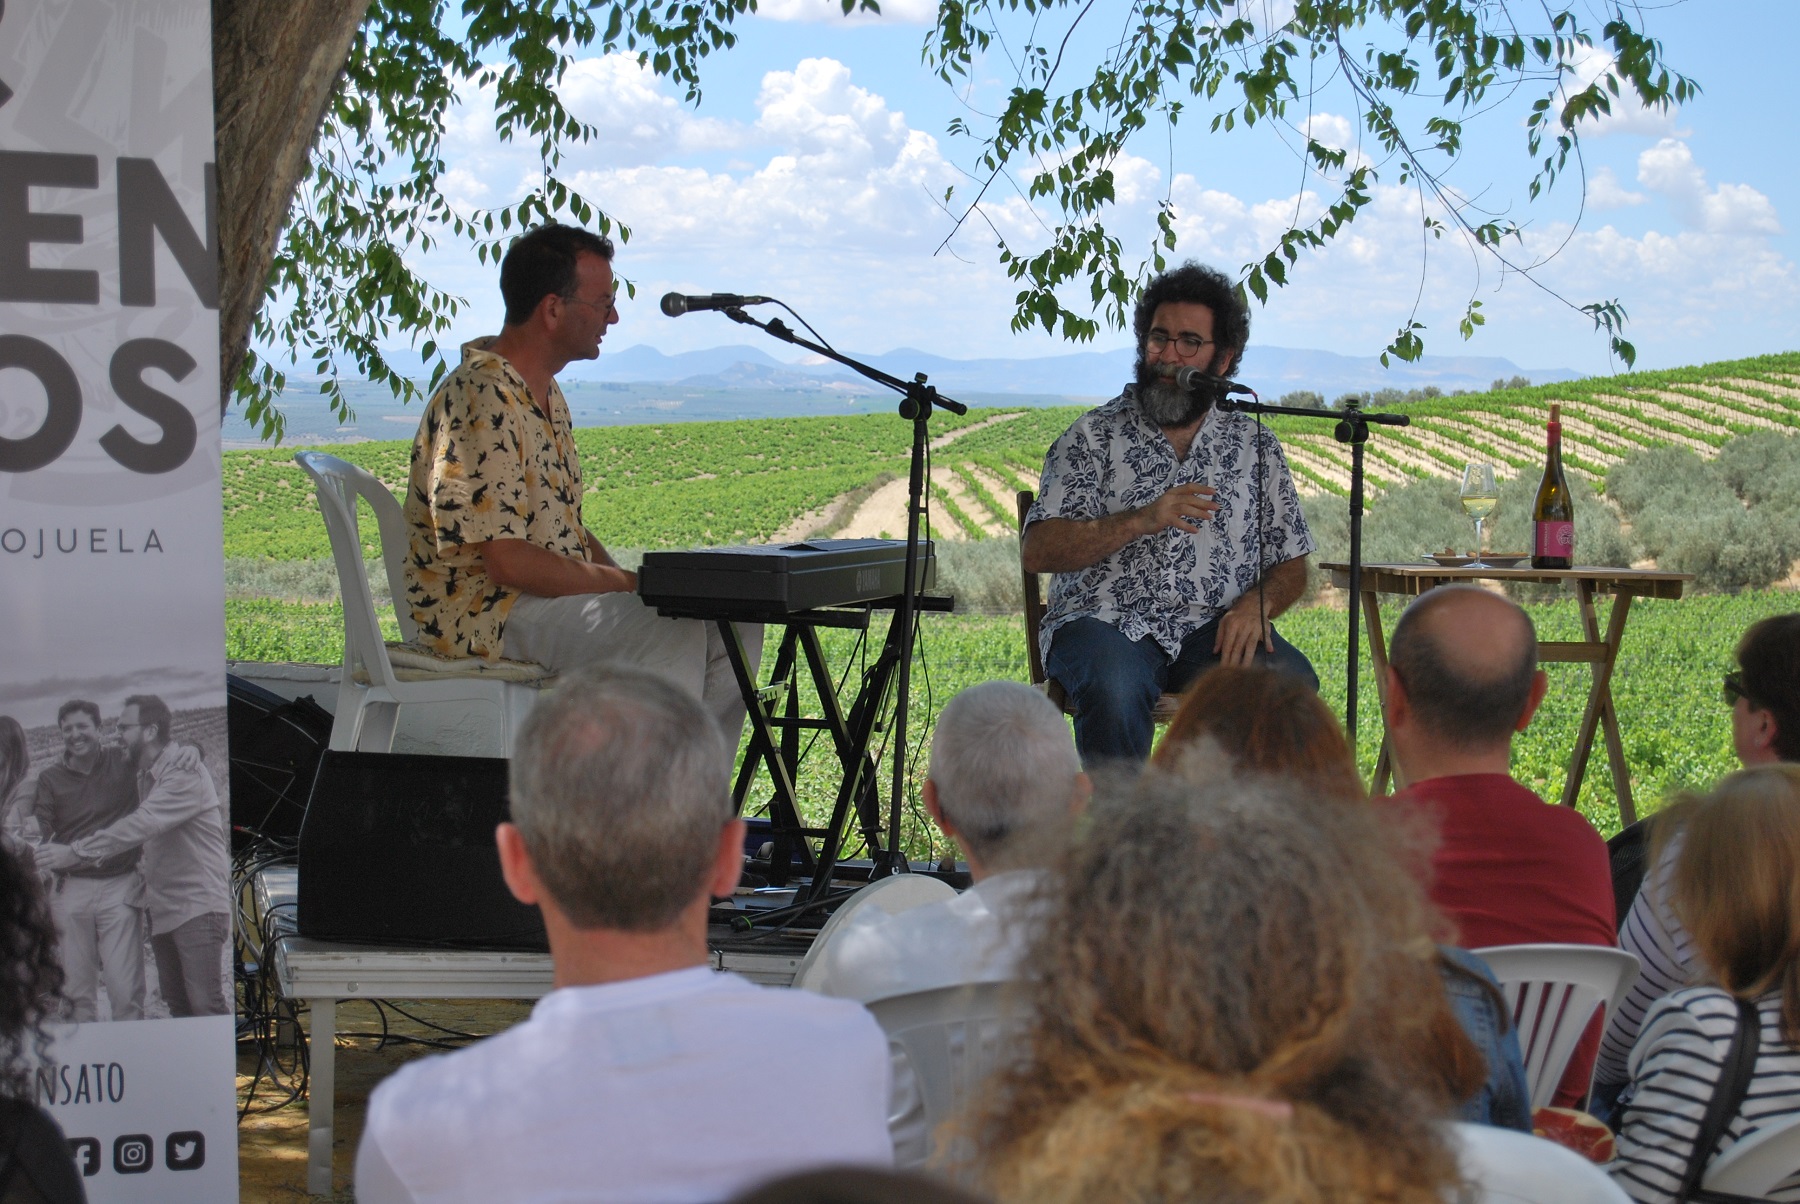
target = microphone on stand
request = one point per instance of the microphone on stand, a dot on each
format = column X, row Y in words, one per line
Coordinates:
column 1213, row 388
column 676, row 304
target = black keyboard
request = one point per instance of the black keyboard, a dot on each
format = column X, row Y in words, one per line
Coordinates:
column 780, row 579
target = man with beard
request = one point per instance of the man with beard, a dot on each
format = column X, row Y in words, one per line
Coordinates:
column 180, row 826
column 1174, row 532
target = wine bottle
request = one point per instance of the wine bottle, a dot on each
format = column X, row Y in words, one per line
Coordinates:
column 1553, row 517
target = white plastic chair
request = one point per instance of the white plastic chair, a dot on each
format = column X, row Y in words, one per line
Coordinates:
column 893, row 894
column 948, row 1040
column 1552, row 991
column 1509, row 1167
column 379, row 678
column 1756, row 1165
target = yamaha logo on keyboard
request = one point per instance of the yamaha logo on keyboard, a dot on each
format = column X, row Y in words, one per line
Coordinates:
column 868, row 580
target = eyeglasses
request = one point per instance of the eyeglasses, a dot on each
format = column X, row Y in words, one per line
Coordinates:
column 605, row 307
column 1734, row 690
column 1189, row 345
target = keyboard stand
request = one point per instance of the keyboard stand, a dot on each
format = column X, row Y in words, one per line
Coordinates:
column 776, row 726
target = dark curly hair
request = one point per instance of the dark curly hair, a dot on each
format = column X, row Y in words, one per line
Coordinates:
column 30, row 977
column 1196, row 284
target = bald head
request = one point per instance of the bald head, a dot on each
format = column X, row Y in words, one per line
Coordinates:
column 1466, row 658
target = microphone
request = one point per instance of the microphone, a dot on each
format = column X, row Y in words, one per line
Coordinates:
column 676, row 304
column 1205, row 384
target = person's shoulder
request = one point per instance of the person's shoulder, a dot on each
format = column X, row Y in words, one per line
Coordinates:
column 784, row 1014
column 432, row 1092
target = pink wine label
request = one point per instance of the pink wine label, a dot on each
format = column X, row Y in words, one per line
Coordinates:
column 1555, row 539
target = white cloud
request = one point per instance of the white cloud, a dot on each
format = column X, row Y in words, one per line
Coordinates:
column 1605, row 192
column 1668, row 169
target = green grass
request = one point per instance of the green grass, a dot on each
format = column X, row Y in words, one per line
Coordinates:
column 1677, row 733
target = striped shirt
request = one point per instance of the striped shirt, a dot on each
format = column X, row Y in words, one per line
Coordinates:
column 1674, row 1070
column 1667, row 961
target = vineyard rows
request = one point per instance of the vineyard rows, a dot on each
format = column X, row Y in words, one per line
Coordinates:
column 683, row 484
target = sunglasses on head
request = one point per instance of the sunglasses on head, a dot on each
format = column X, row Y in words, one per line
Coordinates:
column 1734, row 690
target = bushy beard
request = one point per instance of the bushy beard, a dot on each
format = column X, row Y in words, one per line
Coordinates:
column 1162, row 401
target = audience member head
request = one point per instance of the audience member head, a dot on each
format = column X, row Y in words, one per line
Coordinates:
column 30, row 975
column 1765, row 692
column 1737, row 884
column 1267, row 722
column 856, row 1185
column 1462, row 678
column 1229, row 999
column 15, row 756
column 1005, row 781
column 621, row 813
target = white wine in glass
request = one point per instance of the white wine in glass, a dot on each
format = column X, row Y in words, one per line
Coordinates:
column 1479, row 497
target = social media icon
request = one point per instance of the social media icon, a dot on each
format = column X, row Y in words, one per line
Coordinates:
column 185, row 1151
column 86, row 1153
column 133, row 1154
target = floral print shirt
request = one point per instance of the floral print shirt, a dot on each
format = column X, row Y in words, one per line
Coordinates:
column 1172, row 583
column 486, row 464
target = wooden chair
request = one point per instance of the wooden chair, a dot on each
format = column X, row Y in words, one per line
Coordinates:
column 1166, row 706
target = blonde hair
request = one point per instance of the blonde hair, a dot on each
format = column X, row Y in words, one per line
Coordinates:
column 1231, row 998
column 1737, row 884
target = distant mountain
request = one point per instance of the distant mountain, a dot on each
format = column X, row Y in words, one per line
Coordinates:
column 1271, row 371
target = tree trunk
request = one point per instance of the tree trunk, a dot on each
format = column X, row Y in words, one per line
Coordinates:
column 275, row 65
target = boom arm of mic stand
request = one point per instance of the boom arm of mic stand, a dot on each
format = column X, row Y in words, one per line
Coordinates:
column 1257, row 407
column 780, row 330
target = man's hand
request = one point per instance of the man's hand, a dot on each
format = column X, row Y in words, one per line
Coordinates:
column 1184, row 507
column 54, row 858
column 1241, row 629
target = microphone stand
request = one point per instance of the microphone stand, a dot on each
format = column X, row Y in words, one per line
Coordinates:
column 1352, row 428
column 917, row 400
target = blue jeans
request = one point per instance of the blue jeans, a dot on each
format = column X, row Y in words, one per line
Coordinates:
column 1113, row 682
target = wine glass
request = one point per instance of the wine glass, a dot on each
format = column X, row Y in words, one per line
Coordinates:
column 1479, row 496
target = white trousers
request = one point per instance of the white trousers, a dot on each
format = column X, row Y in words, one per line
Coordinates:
column 100, row 936
column 584, row 629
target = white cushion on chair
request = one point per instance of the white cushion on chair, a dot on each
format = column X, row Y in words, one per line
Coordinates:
column 413, row 663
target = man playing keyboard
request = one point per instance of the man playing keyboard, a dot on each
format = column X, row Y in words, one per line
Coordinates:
column 500, row 563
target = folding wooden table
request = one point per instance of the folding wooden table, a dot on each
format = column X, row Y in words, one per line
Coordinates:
column 1596, row 651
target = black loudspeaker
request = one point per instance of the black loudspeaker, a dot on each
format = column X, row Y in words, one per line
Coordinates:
column 398, row 849
column 275, row 746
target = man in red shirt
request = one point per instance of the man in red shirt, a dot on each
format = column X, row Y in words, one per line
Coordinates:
column 1509, row 868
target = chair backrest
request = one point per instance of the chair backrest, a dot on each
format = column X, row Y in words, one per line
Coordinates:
column 1033, row 594
column 1508, row 1167
column 340, row 484
column 1552, row 991
column 1757, row 1164
column 893, row 894
column 952, row 1039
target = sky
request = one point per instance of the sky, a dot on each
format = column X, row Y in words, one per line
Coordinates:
column 814, row 167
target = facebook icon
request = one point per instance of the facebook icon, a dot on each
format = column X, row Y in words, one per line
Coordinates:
column 86, row 1153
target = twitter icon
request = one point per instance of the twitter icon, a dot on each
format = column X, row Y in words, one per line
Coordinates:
column 185, row 1151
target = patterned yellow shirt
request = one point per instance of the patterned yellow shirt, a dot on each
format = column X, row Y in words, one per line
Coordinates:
column 486, row 464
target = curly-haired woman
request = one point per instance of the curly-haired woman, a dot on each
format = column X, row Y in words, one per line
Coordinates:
column 35, row 1166
column 1227, row 1002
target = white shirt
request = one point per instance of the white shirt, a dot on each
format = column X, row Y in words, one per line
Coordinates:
column 1169, row 584
column 636, row 1091
column 975, row 937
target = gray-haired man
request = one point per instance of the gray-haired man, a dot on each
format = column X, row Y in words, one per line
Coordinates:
column 618, row 1087
column 1004, row 784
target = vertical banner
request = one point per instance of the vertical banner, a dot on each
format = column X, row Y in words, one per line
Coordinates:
column 112, row 677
